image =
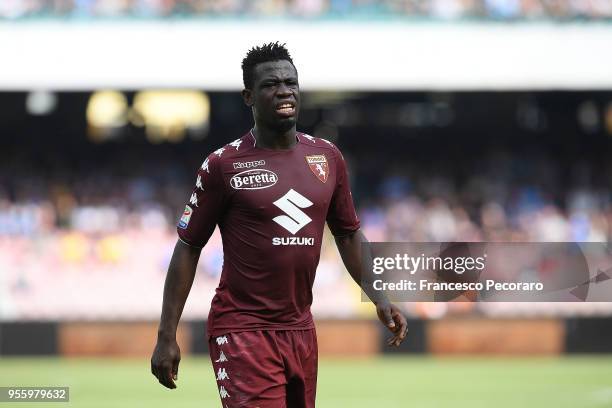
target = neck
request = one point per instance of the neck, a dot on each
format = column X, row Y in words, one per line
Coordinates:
column 273, row 139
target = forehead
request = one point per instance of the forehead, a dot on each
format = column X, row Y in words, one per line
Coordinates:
column 275, row 69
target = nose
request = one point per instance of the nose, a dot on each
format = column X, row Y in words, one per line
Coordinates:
column 283, row 89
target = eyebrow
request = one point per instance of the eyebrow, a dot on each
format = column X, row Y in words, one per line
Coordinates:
column 277, row 80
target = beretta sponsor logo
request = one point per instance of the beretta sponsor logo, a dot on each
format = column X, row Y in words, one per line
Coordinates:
column 249, row 164
column 254, row 179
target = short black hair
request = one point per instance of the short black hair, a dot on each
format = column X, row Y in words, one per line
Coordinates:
column 258, row 55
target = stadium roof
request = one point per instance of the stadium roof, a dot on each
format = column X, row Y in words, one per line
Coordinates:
column 329, row 55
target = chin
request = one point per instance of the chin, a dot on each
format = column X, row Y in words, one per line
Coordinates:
column 284, row 125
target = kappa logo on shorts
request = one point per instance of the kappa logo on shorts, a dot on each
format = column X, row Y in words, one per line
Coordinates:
column 222, row 358
column 221, row 340
column 222, row 374
column 318, row 166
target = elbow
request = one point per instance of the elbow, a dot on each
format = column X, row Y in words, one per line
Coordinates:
column 184, row 249
column 347, row 238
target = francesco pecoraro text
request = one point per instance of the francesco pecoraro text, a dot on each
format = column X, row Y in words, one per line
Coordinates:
column 426, row 285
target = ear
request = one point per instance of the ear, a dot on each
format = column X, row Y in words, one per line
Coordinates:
column 247, row 97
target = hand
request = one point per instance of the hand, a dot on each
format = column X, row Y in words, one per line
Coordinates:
column 165, row 361
column 392, row 318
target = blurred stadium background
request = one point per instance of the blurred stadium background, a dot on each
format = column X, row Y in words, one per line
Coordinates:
column 461, row 120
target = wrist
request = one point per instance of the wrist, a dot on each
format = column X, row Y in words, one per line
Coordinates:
column 382, row 301
column 166, row 335
column 379, row 299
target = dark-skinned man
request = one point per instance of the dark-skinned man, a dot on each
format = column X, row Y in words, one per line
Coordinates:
column 271, row 193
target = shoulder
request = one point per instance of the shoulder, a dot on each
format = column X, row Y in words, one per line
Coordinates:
column 320, row 143
column 324, row 146
column 227, row 152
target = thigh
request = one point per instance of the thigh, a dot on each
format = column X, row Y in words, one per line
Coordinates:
column 249, row 370
column 301, row 362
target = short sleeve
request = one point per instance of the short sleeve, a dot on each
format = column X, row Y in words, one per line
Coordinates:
column 205, row 206
column 341, row 216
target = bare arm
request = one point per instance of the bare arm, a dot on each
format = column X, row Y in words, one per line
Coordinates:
column 355, row 253
column 181, row 272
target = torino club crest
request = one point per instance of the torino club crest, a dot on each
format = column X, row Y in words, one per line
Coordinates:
column 318, row 165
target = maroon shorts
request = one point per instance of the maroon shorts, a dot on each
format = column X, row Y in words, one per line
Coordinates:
column 266, row 368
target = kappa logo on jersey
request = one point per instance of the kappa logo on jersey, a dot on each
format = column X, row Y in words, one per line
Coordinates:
column 193, row 200
column 199, row 183
column 318, row 166
column 205, row 165
column 295, row 219
column 221, row 340
column 236, row 143
column 184, row 221
column 223, row 392
column 249, row 165
column 254, row 179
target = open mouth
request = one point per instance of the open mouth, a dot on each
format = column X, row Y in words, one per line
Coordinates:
column 285, row 109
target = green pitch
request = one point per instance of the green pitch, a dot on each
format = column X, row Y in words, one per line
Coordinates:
column 420, row 382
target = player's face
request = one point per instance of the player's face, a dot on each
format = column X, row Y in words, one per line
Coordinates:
column 275, row 96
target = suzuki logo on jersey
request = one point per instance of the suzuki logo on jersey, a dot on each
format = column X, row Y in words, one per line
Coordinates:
column 318, row 166
column 254, row 179
column 249, row 165
column 295, row 219
column 293, row 241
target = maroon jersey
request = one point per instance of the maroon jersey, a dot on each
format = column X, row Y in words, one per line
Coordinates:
column 271, row 207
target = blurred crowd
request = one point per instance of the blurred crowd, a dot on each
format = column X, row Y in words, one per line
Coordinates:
column 518, row 213
column 503, row 197
column 507, row 10
column 491, row 206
